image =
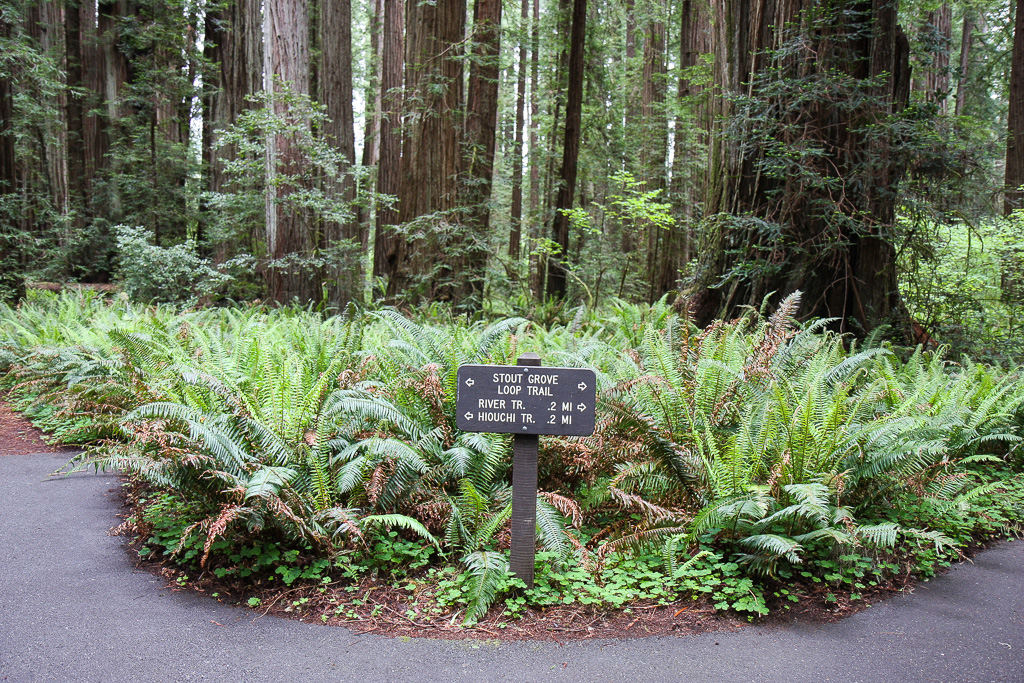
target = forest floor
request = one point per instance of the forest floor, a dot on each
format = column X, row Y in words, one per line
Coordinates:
column 18, row 436
column 74, row 606
column 385, row 608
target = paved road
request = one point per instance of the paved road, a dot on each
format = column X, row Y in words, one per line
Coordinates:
column 73, row 609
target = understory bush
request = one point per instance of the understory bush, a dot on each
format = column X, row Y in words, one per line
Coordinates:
column 734, row 463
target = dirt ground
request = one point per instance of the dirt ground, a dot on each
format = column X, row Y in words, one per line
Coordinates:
column 18, row 436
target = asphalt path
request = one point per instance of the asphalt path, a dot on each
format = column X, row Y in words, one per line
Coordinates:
column 73, row 608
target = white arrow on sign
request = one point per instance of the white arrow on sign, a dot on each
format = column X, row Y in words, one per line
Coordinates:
column 582, row 386
column 581, row 407
column 468, row 416
column 470, row 382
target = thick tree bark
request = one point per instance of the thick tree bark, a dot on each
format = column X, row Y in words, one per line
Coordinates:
column 662, row 247
column 428, row 254
column 288, row 233
column 516, row 218
column 1015, row 118
column 536, row 281
column 234, row 46
column 12, row 284
column 115, row 73
column 335, row 88
column 687, row 190
column 96, row 139
column 939, row 25
column 78, row 190
column 479, row 145
column 386, row 242
column 557, row 274
column 372, row 94
column 832, row 240
column 966, row 40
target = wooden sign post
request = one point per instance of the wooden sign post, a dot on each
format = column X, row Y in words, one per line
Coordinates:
column 525, row 400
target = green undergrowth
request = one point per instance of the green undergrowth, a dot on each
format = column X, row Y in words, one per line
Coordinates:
column 749, row 465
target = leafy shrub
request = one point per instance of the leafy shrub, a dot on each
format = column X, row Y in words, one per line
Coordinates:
column 173, row 274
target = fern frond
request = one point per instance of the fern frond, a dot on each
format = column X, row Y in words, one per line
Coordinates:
column 487, row 568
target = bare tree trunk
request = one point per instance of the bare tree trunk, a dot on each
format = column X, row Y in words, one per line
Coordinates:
column 427, row 257
column 480, row 135
column 687, row 188
column 386, row 243
column 662, row 247
column 234, row 45
column 345, row 277
column 1015, row 118
column 516, row 218
column 116, row 72
column 77, row 189
column 557, row 273
column 536, row 281
column 939, row 23
column 966, row 39
column 12, row 284
column 372, row 95
column 288, row 234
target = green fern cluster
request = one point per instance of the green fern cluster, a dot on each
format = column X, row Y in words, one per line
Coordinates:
column 766, row 437
column 761, row 440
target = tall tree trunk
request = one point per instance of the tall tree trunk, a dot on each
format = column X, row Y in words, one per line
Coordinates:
column 662, row 246
column 1015, row 118
column 837, row 249
column 12, row 284
column 480, row 133
column 557, row 273
column 346, row 276
column 116, row 72
column 288, row 233
column 691, row 128
column 389, row 175
column 96, row 141
column 77, row 189
column 372, row 94
column 939, row 24
column 429, row 253
column 966, row 40
column 234, row 46
column 516, row 218
column 536, row 281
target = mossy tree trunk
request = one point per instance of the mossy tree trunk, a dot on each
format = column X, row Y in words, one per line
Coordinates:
column 820, row 221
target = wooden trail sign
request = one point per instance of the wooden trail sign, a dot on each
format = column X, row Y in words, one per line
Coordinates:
column 518, row 399
column 525, row 400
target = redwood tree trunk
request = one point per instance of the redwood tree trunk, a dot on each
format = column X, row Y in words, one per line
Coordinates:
column 335, row 87
column 662, row 246
column 12, row 285
column 288, row 233
column 386, row 242
column 516, row 218
column 536, row 282
column 481, row 127
column 939, row 23
column 557, row 273
column 428, row 253
column 77, row 189
column 770, row 231
column 691, row 132
column 966, row 40
column 1015, row 118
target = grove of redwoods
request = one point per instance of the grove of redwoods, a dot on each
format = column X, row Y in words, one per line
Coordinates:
column 510, row 157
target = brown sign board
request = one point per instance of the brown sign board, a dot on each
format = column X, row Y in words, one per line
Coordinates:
column 517, row 399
